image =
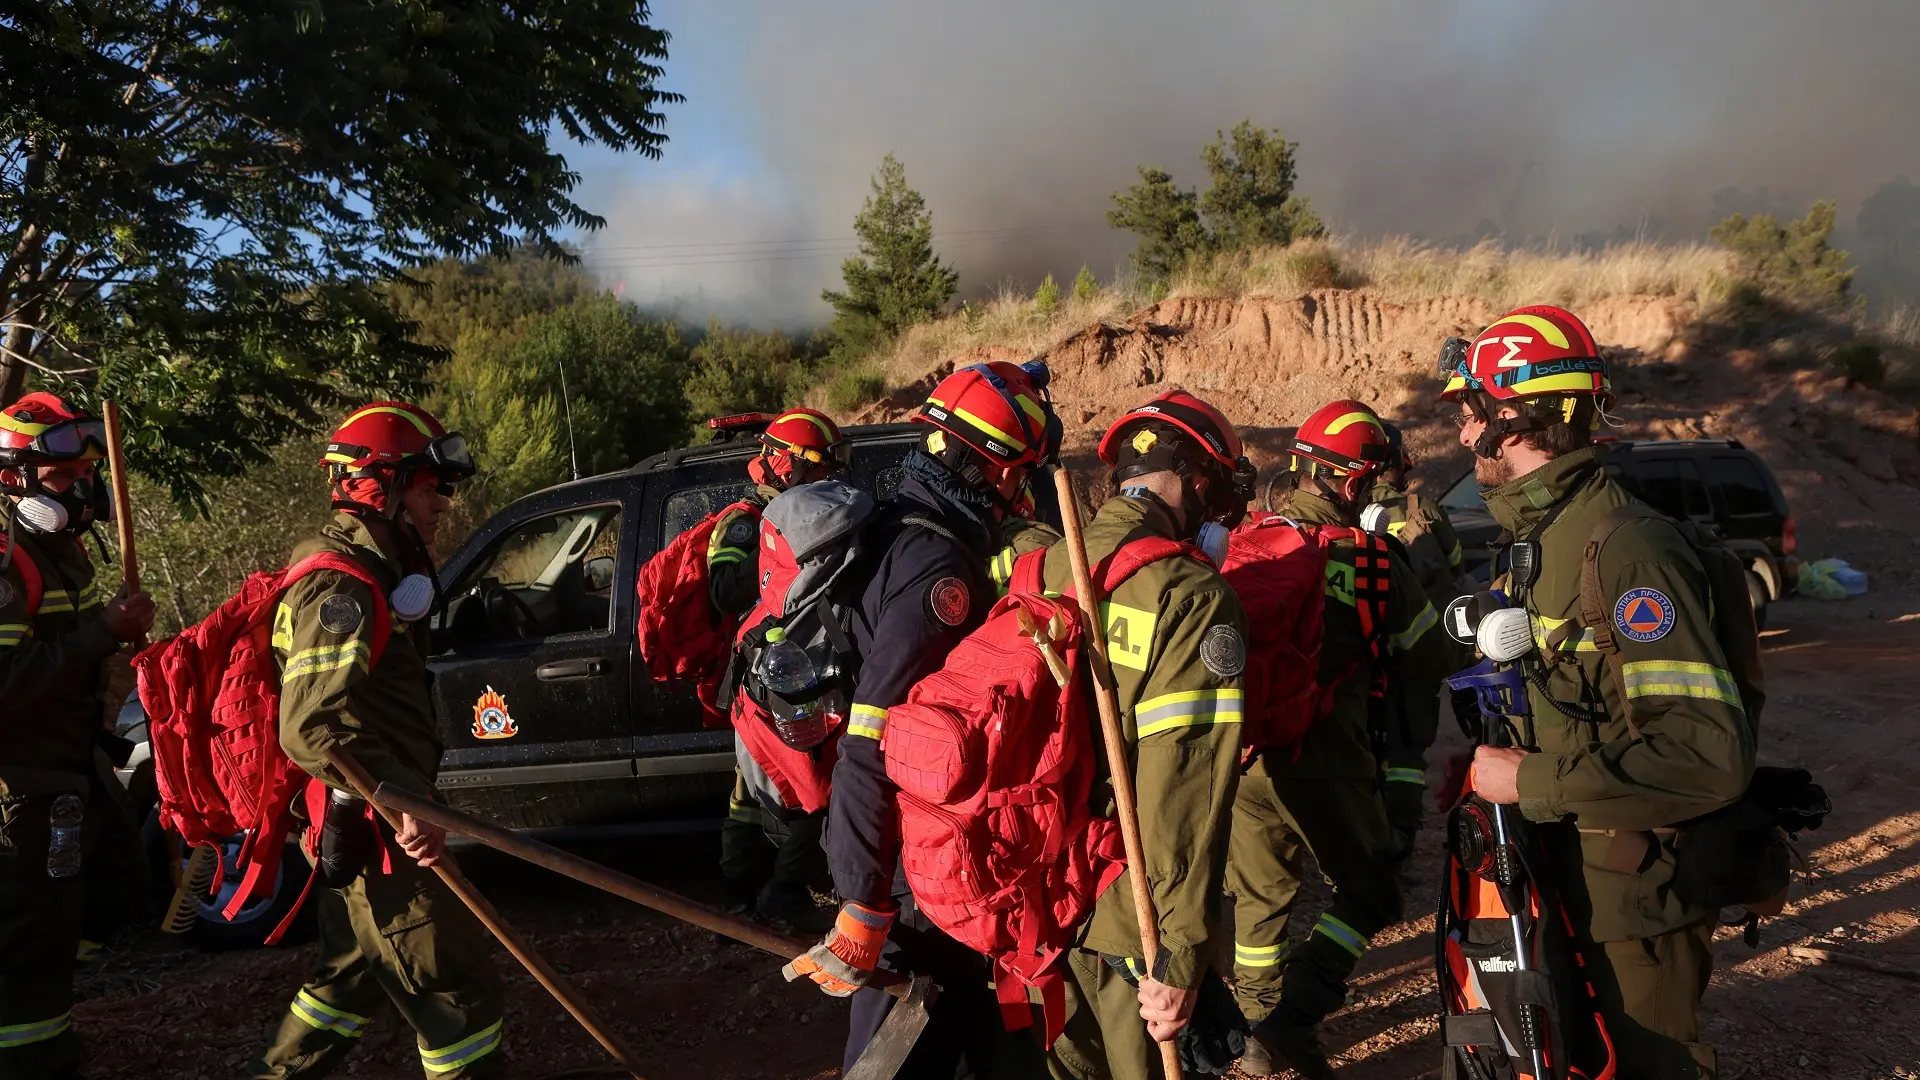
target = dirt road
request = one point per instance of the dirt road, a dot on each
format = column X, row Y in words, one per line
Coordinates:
column 1842, row 701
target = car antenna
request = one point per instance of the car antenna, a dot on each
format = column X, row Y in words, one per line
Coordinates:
column 566, row 404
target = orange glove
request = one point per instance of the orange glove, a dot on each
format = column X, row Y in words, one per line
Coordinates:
column 844, row 961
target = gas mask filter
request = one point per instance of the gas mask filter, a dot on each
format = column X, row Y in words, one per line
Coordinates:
column 412, row 598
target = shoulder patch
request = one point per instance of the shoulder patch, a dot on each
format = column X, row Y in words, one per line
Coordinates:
column 948, row 602
column 1224, row 651
column 740, row 531
column 6, row 592
column 340, row 614
column 1644, row 614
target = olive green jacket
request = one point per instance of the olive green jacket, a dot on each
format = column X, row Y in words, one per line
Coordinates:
column 1679, row 745
column 1018, row 536
column 323, row 641
column 733, row 554
column 50, row 660
column 1436, row 550
column 1177, row 639
column 1339, row 746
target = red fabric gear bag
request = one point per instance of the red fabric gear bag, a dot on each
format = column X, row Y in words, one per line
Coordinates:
column 994, row 755
column 212, row 698
column 681, row 634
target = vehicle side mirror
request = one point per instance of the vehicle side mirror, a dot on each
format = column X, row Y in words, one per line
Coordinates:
column 597, row 574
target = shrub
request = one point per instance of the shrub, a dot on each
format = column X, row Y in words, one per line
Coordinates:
column 1046, row 299
column 1316, row 267
column 1859, row 361
column 1085, row 284
column 855, row 387
column 1792, row 261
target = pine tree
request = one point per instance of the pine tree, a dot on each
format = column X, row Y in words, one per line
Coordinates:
column 897, row 280
column 1046, row 299
column 1165, row 218
column 1251, row 201
column 1085, row 284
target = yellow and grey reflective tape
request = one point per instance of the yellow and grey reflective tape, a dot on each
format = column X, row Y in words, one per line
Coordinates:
column 1188, row 708
column 12, row 634
column 463, row 1053
column 1456, row 556
column 1000, row 568
column 1260, row 956
column 55, row 602
column 38, row 1031
column 1679, row 678
column 745, row 812
column 1406, row 776
column 868, row 720
column 1423, row 622
column 324, row 1017
column 1341, row 934
column 1135, row 966
column 325, row 658
column 1543, row 628
column 720, row 556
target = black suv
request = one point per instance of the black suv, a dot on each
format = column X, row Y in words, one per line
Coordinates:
column 1716, row 482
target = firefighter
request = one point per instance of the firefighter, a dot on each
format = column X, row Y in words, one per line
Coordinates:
column 987, row 425
column 1320, row 797
column 768, row 860
column 1176, row 638
column 1411, row 706
column 1665, row 739
column 58, row 624
column 388, row 928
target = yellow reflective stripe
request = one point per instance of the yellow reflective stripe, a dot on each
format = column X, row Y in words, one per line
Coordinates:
column 1188, row 708
column 1552, row 384
column 325, row 658
column 1406, row 776
column 746, row 812
column 12, row 633
column 718, row 556
column 1347, row 420
column 55, row 601
column 1423, row 622
column 324, row 1017
column 1543, row 628
column 1260, row 956
column 990, row 429
column 1679, row 678
column 37, row 1031
column 1456, row 556
column 375, row 410
column 867, row 720
column 465, row 1052
column 1341, row 934
column 1000, row 567
column 825, row 433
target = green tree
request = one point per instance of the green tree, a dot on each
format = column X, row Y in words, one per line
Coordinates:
column 1085, row 284
column 897, row 280
column 1046, row 299
column 1251, row 201
column 197, row 201
column 737, row 370
column 1165, row 218
column 449, row 297
column 1794, row 261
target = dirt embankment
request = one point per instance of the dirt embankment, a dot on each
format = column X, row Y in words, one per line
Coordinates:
column 1848, row 457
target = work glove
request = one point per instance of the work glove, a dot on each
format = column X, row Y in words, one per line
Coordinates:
column 347, row 840
column 1217, row 1035
column 844, row 961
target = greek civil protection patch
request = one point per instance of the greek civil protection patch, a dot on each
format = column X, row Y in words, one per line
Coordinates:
column 740, row 531
column 948, row 601
column 1224, row 651
column 6, row 592
column 340, row 614
column 1644, row 614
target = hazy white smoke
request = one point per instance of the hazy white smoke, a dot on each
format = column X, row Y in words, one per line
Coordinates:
column 1017, row 119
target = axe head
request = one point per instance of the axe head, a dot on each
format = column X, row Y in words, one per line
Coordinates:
column 888, row 1050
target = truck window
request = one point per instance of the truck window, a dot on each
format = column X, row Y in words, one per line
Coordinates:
column 551, row 575
column 1673, row 487
column 688, row 508
column 1742, row 486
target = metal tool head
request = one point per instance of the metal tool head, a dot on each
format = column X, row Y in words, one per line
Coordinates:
column 888, row 1050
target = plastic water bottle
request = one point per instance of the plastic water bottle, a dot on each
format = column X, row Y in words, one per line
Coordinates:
column 63, row 852
column 786, row 670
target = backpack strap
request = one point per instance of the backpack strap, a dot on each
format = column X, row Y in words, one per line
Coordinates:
column 1372, row 581
column 1128, row 559
column 346, row 564
column 1594, row 616
column 1029, row 575
column 30, row 576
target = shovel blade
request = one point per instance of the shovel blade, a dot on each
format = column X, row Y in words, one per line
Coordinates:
column 888, row 1050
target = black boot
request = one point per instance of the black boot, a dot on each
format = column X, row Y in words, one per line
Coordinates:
column 1291, row 1041
column 1256, row 1061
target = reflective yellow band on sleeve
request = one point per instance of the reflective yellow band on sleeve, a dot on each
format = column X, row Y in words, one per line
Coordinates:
column 1406, row 776
column 325, row 658
column 1341, row 934
column 324, row 1017
column 744, row 812
column 868, row 720
column 1679, row 678
column 55, row 602
column 1189, row 708
column 12, row 634
column 14, row 1035
column 1543, row 628
column 1423, row 622
column 1456, row 556
column 463, row 1053
column 1260, row 956
column 726, row 555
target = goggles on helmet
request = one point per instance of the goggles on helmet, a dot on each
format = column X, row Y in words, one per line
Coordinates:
column 446, row 457
column 85, row 438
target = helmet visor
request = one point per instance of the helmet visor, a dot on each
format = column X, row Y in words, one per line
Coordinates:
column 71, row 439
column 449, row 457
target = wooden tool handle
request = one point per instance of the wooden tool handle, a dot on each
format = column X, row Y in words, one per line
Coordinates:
column 1118, row 765
column 363, row 783
column 122, row 503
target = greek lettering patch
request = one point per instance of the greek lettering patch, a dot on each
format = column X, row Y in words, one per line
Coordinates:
column 948, row 601
column 1644, row 614
column 1224, row 651
column 340, row 614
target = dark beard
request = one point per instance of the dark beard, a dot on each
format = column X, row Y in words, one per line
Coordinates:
column 1492, row 472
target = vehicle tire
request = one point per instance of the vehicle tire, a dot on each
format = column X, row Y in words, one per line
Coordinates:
column 1757, row 596
column 213, row 931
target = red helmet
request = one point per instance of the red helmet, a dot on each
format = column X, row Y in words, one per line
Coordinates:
column 378, row 443
column 1346, row 436
column 1208, row 426
column 1527, row 353
column 41, row 428
column 999, row 409
column 799, row 435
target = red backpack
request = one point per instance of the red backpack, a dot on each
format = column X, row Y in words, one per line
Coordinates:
column 994, row 755
column 682, row 635
column 212, row 697
column 1278, row 568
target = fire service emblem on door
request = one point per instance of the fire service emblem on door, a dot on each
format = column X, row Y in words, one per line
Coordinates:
column 491, row 719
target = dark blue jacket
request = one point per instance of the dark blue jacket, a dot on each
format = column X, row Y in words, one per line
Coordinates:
column 928, row 590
